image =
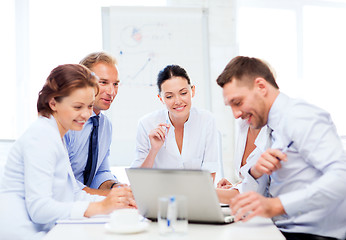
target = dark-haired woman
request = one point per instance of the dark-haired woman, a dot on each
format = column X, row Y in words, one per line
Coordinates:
column 180, row 136
column 39, row 187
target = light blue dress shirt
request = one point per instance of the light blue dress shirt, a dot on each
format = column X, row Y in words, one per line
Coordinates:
column 77, row 143
column 311, row 185
column 38, row 186
column 200, row 144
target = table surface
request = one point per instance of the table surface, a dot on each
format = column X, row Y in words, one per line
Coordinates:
column 257, row 228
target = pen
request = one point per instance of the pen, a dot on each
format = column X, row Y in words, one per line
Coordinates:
column 166, row 132
column 286, row 148
column 237, row 183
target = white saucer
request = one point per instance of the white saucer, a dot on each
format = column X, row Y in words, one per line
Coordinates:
column 140, row 227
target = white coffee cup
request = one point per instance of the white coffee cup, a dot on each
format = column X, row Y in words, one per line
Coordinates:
column 124, row 218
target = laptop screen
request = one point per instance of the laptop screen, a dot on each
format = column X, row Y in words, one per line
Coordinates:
column 148, row 185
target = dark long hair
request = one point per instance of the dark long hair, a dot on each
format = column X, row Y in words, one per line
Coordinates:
column 171, row 71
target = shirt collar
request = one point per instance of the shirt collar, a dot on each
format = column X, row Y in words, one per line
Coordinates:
column 275, row 115
column 94, row 114
column 192, row 113
column 262, row 140
column 167, row 120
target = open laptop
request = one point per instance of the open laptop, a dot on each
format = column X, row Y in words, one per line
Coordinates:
column 203, row 205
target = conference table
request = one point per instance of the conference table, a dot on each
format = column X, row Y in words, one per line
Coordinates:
column 257, row 228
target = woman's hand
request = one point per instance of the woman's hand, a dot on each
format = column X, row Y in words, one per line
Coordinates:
column 157, row 138
column 224, row 183
column 158, row 135
column 121, row 197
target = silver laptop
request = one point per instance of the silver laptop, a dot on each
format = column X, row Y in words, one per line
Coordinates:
column 203, row 205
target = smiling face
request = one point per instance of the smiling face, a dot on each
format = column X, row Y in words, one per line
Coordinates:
column 246, row 102
column 176, row 94
column 108, row 85
column 73, row 111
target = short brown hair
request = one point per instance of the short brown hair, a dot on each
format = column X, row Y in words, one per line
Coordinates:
column 246, row 69
column 93, row 58
column 61, row 81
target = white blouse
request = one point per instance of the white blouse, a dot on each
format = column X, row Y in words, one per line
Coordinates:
column 262, row 142
column 38, row 186
column 200, row 143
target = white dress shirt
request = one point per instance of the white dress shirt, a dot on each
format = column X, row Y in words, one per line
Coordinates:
column 311, row 185
column 262, row 142
column 38, row 186
column 200, row 144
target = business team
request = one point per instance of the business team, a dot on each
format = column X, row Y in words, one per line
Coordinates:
column 300, row 189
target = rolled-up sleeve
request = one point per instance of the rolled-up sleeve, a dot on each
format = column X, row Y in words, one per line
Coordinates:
column 103, row 173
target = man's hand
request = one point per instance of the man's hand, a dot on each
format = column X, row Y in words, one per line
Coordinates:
column 268, row 162
column 248, row 205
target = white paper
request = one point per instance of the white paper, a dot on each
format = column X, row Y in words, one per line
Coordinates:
column 98, row 219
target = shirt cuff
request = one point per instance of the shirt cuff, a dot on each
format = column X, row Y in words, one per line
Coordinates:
column 101, row 178
column 78, row 209
column 292, row 202
column 84, row 196
column 250, row 184
column 81, row 185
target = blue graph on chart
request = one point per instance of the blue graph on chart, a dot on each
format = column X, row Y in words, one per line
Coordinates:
column 142, row 52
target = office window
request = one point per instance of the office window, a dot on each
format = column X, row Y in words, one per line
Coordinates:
column 8, row 96
column 270, row 34
column 324, row 60
column 40, row 35
column 60, row 32
column 304, row 42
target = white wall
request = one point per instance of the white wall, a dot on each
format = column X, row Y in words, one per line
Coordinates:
column 40, row 53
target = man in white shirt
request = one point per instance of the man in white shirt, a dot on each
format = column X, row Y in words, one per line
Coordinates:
column 307, row 183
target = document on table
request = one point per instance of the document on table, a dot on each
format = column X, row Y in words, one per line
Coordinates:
column 98, row 219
